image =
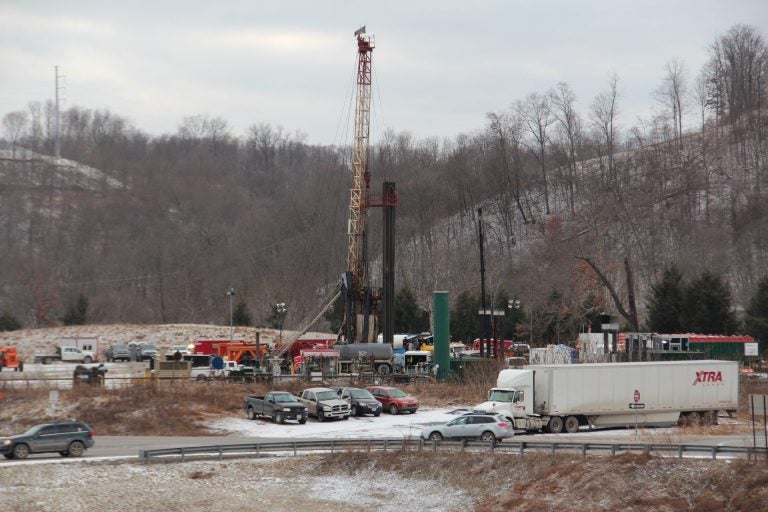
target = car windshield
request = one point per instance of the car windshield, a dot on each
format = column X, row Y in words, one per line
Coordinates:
column 396, row 393
column 148, row 346
column 282, row 398
column 360, row 393
column 326, row 395
column 119, row 347
column 498, row 395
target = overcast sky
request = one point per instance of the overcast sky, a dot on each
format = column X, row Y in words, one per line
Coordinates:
column 439, row 66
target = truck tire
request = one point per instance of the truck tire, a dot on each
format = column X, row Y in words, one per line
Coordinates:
column 76, row 449
column 48, row 360
column 250, row 413
column 87, row 360
column 694, row 418
column 279, row 418
column 20, row 451
column 383, row 369
column 572, row 424
column 393, row 409
column 354, row 411
column 555, row 425
column 320, row 415
column 302, row 421
column 710, row 418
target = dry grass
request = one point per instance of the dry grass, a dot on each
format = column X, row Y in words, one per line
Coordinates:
column 539, row 482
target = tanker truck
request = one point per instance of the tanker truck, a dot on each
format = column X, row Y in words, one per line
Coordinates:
column 565, row 397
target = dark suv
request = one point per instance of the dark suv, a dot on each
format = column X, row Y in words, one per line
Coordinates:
column 68, row 438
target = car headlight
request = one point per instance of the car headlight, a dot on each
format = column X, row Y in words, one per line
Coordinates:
column 325, row 408
column 6, row 442
column 286, row 409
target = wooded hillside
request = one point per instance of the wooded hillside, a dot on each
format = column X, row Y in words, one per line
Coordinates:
column 156, row 229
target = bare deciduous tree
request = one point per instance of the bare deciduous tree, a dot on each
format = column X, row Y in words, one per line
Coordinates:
column 14, row 125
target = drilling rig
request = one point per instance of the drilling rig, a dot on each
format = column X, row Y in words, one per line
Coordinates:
column 360, row 299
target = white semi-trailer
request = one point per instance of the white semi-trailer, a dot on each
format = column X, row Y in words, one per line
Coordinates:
column 561, row 397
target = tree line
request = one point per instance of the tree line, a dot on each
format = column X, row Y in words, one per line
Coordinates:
column 581, row 214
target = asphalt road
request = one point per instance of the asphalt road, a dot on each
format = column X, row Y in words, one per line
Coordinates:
column 129, row 446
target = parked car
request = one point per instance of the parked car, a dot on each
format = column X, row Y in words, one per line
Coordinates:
column 68, row 438
column 394, row 400
column 487, row 427
column 278, row 405
column 361, row 401
column 324, row 403
column 147, row 351
column 117, row 352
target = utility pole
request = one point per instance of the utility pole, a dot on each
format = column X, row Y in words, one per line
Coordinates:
column 485, row 339
column 57, row 135
column 230, row 294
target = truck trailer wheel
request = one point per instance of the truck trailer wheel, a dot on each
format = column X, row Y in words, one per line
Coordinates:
column 572, row 424
column 555, row 425
column 710, row 418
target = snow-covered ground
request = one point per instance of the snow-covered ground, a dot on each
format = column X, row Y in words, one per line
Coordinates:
column 384, row 426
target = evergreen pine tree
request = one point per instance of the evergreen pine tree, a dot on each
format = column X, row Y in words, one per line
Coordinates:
column 666, row 303
column 409, row 316
column 756, row 318
column 241, row 315
column 707, row 306
column 465, row 321
column 77, row 313
column 8, row 322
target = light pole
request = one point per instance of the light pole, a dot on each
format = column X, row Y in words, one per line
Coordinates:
column 230, row 294
column 281, row 311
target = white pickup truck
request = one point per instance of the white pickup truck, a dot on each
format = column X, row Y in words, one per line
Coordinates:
column 68, row 354
column 202, row 373
column 324, row 403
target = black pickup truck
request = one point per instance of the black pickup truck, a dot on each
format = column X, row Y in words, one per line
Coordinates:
column 278, row 405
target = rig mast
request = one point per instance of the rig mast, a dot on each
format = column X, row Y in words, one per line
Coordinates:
column 360, row 301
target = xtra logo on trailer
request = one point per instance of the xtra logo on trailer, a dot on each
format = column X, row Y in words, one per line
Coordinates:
column 705, row 377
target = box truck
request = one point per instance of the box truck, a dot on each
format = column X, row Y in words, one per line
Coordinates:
column 556, row 398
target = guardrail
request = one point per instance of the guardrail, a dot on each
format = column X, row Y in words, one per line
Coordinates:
column 408, row 444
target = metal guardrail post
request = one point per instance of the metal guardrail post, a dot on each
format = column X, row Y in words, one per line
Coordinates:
column 584, row 450
column 221, row 453
column 680, row 451
column 386, row 443
column 554, row 445
column 182, row 454
column 714, row 452
column 613, row 450
column 257, row 450
column 522, row 447
column 434, row 445
column 294, row 448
